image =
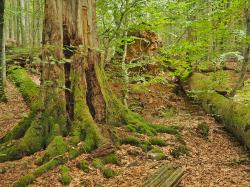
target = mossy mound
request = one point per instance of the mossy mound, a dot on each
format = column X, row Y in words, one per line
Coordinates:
column 203, row 130
column 83, row 165
column 179, row 151
column 108, row 173
column 156, row 154
column 111, row 159
column 157, row 141
column 65, row 178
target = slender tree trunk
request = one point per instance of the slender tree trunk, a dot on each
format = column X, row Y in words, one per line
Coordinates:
column 22, row 22
column 2, row 52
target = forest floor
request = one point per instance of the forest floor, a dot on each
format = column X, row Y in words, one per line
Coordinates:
column 218, row 160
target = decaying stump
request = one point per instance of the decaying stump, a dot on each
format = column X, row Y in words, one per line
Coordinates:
column 166, row 176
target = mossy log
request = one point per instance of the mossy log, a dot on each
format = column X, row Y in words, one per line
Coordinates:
column 235, row 116
column 29, row 90
column 166, row 176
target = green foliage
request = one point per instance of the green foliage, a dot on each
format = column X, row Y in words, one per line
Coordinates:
column 65, row 178
column 97, row 163
column 203, row 130
column 111, row 159
column 83, row 165
column 157, row 154
column 30, row 177
column 179, row 151
column 3, row 170
column 57, row 147
column 108, row 173
column 31, row 142
column 131, row 140
column 165, row 129
column 146, row 146
column 168, row 112
column 157, row 141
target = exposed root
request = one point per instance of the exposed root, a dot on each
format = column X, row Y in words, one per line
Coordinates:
column 29, row 178
column 19, row 130
column 31, row 93
column 32, row 141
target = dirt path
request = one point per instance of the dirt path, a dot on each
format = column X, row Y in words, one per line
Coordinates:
column 217, row 161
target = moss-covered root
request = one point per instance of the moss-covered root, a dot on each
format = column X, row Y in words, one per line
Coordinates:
column 19, row 130
column 32, row 141
column 29, row 178
column 65, row 178
column 29, row 90
column 117, row 113
column 57, row 147
column 59, row 159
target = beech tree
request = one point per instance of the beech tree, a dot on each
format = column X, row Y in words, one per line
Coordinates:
column 75, row 99
column 2, row 51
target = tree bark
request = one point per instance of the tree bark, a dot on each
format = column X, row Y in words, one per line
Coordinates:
column 2, row 52
column 74, row 91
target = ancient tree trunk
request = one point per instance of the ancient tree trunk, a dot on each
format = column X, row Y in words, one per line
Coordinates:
column 2, row 51
column 74, row 93
column 53, row 78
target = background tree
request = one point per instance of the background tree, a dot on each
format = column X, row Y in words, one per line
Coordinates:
column 2, row 53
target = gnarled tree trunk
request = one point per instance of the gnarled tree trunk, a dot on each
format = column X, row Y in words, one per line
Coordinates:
column 75, row 97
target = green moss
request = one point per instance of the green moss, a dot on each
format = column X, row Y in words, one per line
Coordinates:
column 29, row 90
column 83, row 165
column 111, row 159
column 29, row 178
column 97, row 163
column 180, row 139
column 164, row 129
column 203, row 130
column 138, row 88
column 167, row 113
column 156, row 154
column 131, row 140
column 56, row 148
column 116, row 112
column 234, row 116
column 3, row 170
column 157, row 141
column 179, row 151
column 108, row 173
column 65, row 178
column 31, row 142
column 19, row 130
column 84, row 127
column 146, row 146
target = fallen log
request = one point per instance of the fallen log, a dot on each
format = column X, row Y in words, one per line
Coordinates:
column 234, row 116
column 166, row 176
